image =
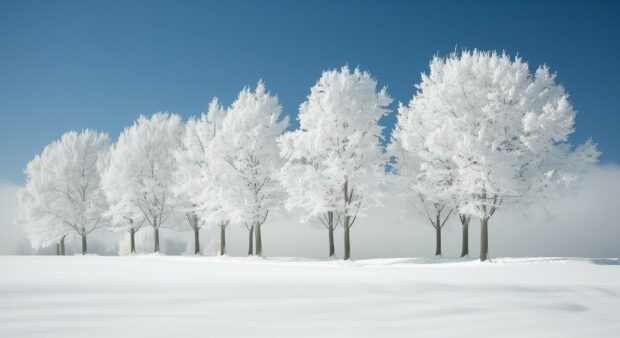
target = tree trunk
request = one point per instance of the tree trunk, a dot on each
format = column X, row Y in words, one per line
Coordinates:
column 330, row 229
column 347, row 242
column 484, row 239
column 437, row 240
column 62, row 245
column 83, row 244
column 259, row 241
column 222, row 240
column 196, row 240
column 132, row 238
column 58, row 249
column 465, row 243
column 156, row 238
column 250, row 245
column 331, row 242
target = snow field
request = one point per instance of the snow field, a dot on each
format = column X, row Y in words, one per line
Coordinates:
column 159, row 296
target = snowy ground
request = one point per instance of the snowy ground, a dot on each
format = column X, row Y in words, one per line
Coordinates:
column 159, row 296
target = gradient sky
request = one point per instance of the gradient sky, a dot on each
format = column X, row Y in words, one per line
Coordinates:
column 99, row 64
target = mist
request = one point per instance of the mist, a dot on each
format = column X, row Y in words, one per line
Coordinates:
column 583, row 224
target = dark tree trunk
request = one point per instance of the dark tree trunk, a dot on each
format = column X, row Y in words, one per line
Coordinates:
column 484, row 239
column 330, row 229
column 132, row 238
column 196, row 240
column 347, row 241
column 465, row 242
column 332, row 250
column 222, row 240
column 438, row 241
column 251, row 242
column 62, row 245
column 348, row 197
column 259, row 241
column 156, row 238
column 84, row 244
column 58, row 249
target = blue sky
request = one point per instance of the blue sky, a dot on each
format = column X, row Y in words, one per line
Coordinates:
column 99, row 64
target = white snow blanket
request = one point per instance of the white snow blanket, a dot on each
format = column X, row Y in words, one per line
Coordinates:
column 160, row 296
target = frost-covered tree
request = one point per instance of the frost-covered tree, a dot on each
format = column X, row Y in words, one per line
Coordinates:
column 119, row 214
column 246, row 161
column 139, row 177
column 336, row 154
column 504, row 129
column 196, row 188
column 308, row 187
column 218, row 213
column 63, row 192
column 425, row 174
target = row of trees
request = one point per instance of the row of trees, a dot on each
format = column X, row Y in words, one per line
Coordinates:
column 480, row 133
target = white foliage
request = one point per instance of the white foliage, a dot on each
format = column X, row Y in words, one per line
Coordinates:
column 63, row 193
column 245, row 157
column 481, row 129
column 197, row 187
column 337, row 144
column 139, row 177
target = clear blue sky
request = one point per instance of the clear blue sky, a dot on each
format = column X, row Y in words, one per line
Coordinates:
column 99, row 64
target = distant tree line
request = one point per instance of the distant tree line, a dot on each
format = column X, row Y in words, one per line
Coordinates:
column 481, row 133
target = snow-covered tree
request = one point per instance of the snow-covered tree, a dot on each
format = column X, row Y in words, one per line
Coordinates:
column 41, row 225
column 63, row 192
column 425, row 169
column 308, row 186
column 246, row 161
column 196, row 188
column 120, row 220
column 427, row 175
column 220, row 217
column 501, row 131
column 336, row 161
column 139, row 177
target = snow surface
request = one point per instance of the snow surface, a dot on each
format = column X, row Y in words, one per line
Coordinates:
column 166, row 296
